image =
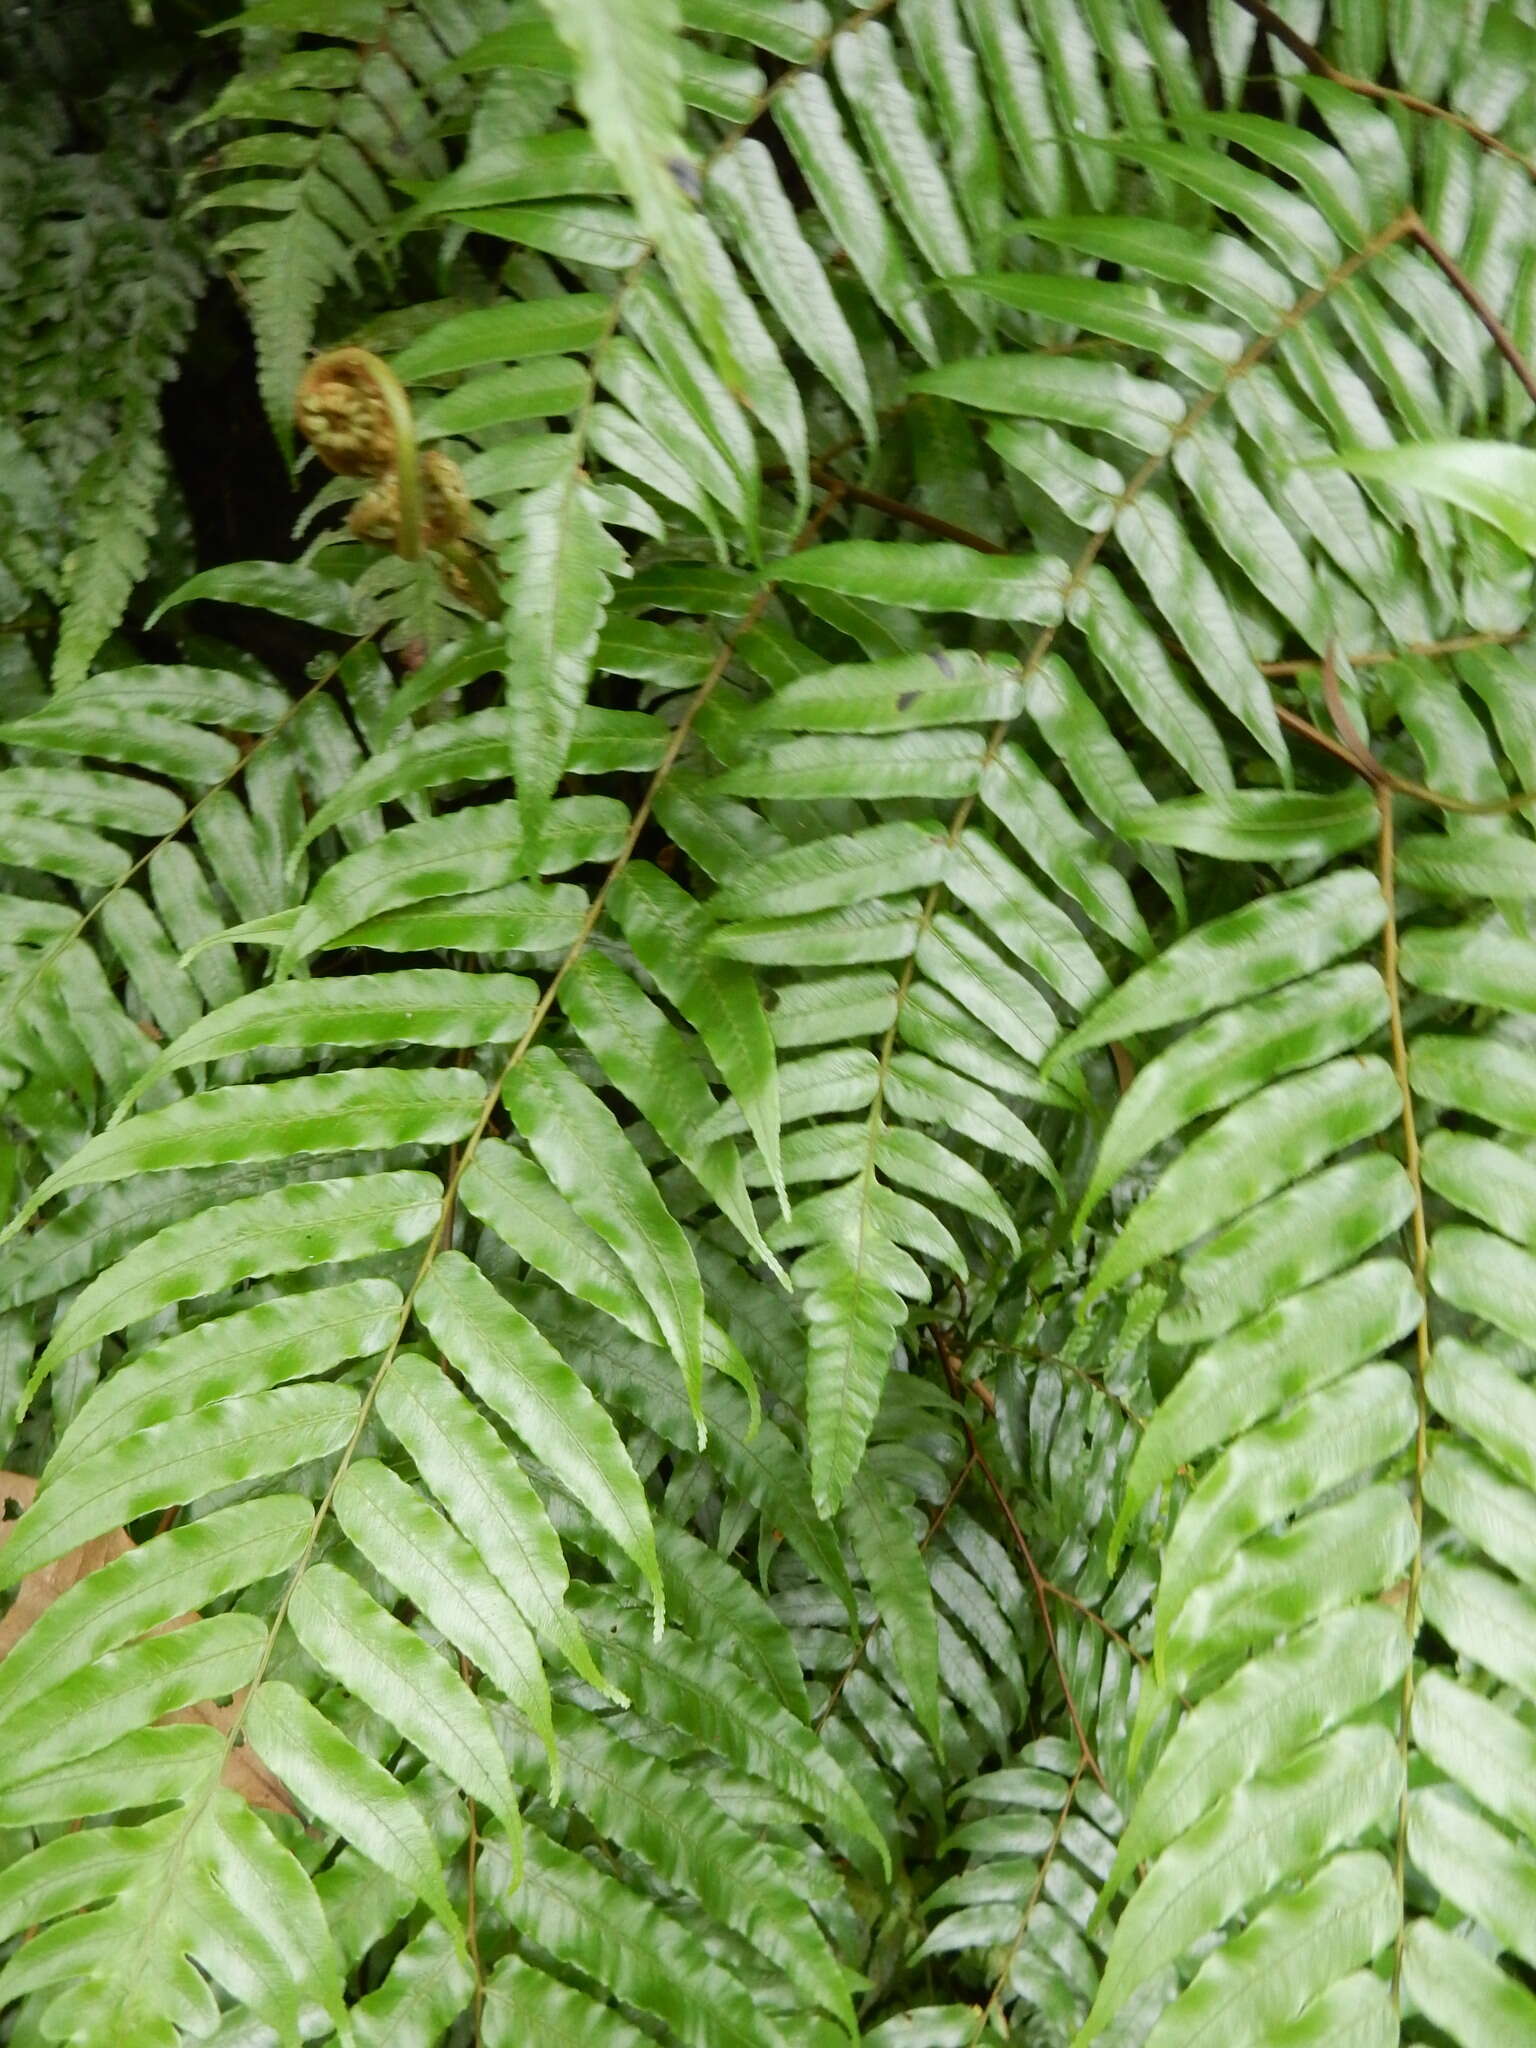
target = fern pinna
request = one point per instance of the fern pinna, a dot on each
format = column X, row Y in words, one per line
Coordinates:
column 773, row 1238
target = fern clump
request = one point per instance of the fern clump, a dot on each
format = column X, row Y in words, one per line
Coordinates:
column 771, row 1252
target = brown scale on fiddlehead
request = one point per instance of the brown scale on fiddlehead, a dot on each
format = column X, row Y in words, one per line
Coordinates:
column 445, row 511
column 353, row 411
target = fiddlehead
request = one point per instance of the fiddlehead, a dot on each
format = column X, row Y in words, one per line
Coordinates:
column 354, row 412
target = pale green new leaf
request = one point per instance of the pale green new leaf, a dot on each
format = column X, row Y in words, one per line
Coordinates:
column 1233, row 1053
column 1291, row 1952
column 1262, row 1145
column 174, row 1574
column 418, row 1551
column 170, row 1463
column 1463, row 1990
column 352, row 1111
column 424, row 1006
column 719, row 998
column 490, row 1498
column 1267, row 1711
column 349, row 1791
column 651, row 1062
column 1273, row 1827
column 1294, row 1347
column 937, row 576
column 522, row 1378
column 628, row 85
column 288, row 1229
column 126, row 1689
column 1493, row 479
column 1242, row 954
column 468, row 851
column 394, row 1672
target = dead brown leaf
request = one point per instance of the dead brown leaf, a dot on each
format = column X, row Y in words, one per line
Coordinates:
column 244, row 1772
column 39, row 1589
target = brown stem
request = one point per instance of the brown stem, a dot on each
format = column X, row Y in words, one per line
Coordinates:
column 1308, row 731
column 984, row 2016
column 894, row 508
column 914, row 515
column 1498, row 333
column 1354, row 740
column 1091, row 1614
column 1376, row 657
column 1280, row 31
column 1088, row 1379
column 1043, row 1591
column 1351, row 749
column 472, row 1913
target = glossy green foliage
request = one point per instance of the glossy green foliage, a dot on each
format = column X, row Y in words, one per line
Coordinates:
column 768, row 1268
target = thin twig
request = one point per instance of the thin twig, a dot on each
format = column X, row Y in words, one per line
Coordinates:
column 899, row 508
column 1498, row 333
column 1042, row 1587
column 1088, row 1379
column 1030, row 1903
column 470, row 1677
column 1355, row 743
column 894, row 508
column 1351, row 749
column 1042, row 1601
column 1308, row 731
column 1307, row 53
column 1092, row 1614
column 472, row 1912
column 1376, row 657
